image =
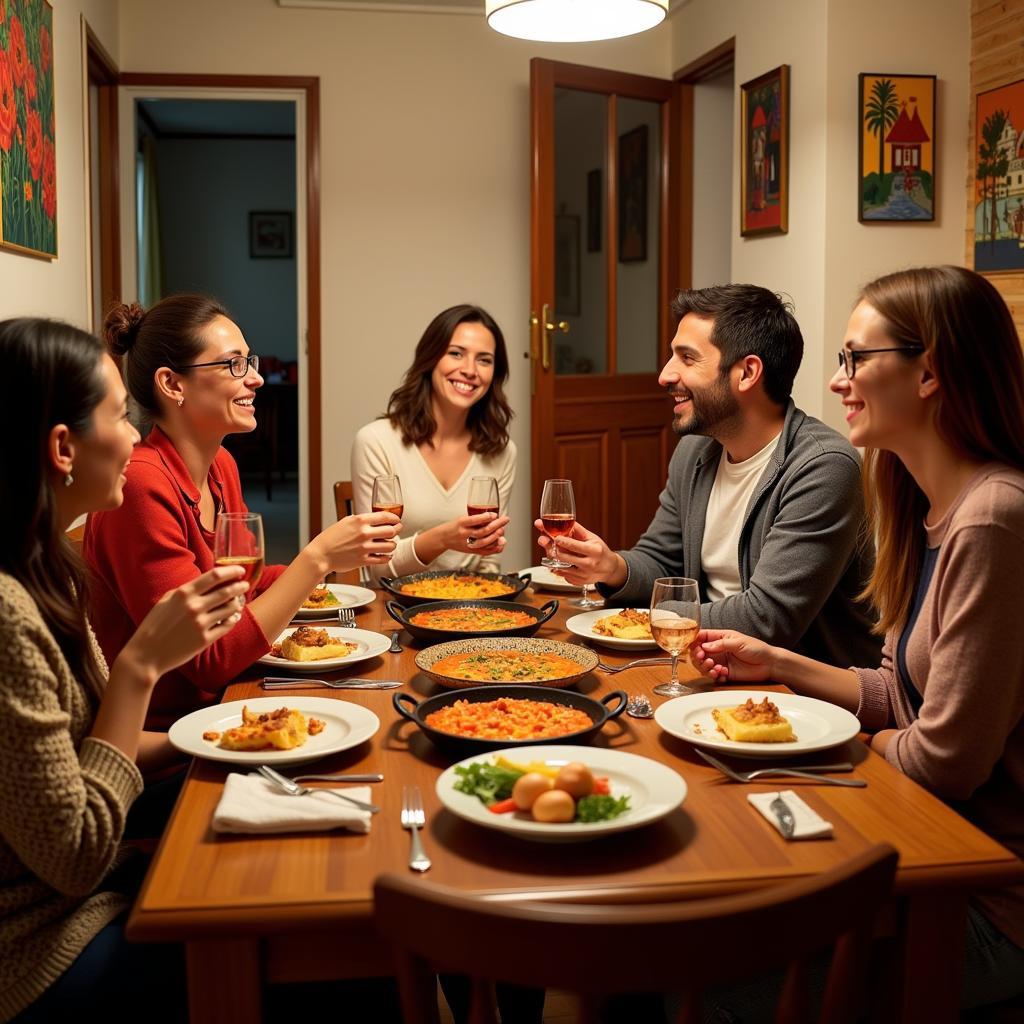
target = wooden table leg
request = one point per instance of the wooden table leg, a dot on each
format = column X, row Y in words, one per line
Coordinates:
column 224, row 982
column 935, row 927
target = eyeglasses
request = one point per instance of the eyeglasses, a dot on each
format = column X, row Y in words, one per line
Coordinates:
column 239, row 365
column 848, row 356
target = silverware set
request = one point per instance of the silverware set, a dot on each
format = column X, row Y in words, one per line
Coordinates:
column 292, row 788
column 809, row 771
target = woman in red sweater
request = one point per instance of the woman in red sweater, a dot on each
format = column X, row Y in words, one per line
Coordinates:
column 190, row 372
column 931, row 379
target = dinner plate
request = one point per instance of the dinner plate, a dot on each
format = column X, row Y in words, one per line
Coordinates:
column 345, row 725
column 543, row 577
column 816, row 723
column 348, row 597
column 654, row 791
column 370, row 644
column 583, row 625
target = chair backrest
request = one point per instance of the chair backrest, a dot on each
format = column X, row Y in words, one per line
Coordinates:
column 344, row 506
column 77, row 535
column 599, row 951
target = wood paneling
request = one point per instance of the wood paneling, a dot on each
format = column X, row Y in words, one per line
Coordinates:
column 583, row 459
column 997, row 58
column 642, row 476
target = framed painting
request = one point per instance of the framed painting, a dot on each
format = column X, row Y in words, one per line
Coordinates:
column 270, row 234
column 633, row 195
column 567, row 264
column 28, row 158
column 999, row 179
column 764, row 153
column 896, row 153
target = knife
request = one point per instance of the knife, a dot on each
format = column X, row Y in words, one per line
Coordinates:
column 782, row 812
column 282, row 683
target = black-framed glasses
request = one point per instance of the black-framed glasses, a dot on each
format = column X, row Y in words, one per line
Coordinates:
column 239, row 365
column 848, row 356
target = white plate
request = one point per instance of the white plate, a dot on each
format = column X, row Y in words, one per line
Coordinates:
column 816, row 723
column 654, row 790
column 543, row 577
column 583, row 625
column 345, row 725
column 348, row 597
column 369, row 645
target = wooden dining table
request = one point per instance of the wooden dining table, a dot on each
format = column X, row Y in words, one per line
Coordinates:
column 294, row 907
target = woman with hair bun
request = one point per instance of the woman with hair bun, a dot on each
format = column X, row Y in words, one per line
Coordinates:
column 71, row 733
column 446, row 423
column 189, row 370
column 931, row 379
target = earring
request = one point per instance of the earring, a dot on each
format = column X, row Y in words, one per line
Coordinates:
column 181, row 402
column 68, row 480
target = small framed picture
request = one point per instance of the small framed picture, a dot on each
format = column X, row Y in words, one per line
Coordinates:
column 764, row 154
column 270, row 235
column 633, row 195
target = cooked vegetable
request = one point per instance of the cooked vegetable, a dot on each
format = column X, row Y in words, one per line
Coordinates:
column 489, row 782
column 600, row 808
column 502, row 806
column 541, row 767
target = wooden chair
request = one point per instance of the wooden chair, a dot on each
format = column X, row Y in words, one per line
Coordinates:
column 77, row 536
column 600, row 951
column 344, row 506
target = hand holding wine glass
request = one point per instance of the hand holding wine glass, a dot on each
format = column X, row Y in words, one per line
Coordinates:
column 675, row 622
column 557, row 516
column 238, row 540
column 483, row 497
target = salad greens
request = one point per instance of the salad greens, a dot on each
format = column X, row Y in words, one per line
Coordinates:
column 489, row 782
column 600, row 808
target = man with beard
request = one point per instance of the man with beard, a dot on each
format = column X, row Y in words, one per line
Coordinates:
column 763, row 503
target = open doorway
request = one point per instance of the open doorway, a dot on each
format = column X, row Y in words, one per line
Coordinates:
column 215, row 187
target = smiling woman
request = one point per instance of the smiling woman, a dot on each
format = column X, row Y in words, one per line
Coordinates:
column 190, row 371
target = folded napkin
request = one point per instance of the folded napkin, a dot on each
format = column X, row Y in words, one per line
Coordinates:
column 808, row 824
column 252, row 804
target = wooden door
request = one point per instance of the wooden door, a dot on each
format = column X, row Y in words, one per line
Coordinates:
column 604, row 259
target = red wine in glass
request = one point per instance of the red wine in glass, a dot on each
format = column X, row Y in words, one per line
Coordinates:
column 558, row 517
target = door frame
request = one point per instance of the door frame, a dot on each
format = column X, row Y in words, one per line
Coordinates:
column 305, row 91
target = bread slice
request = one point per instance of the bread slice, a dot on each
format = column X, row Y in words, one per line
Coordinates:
column 754, row 723
column 308, row 643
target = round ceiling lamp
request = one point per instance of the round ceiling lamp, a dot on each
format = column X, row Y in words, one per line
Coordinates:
column 573, row 21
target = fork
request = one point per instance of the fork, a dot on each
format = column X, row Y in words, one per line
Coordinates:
column 346, row 617
column 292, row 788
column 802, row 773
column 286, row 683
column 414, row 819
column 612, row 669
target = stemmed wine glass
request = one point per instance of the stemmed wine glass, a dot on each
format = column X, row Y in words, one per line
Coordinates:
column 483, row 497
column 387, row 495
column 675, row 622
column 558, row 516
column 238, row 540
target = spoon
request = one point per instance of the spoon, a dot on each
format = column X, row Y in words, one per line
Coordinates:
column 639, row 707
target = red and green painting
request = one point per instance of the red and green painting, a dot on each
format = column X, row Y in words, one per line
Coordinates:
column 999, row 179
column 28, row 169
column 897, row 148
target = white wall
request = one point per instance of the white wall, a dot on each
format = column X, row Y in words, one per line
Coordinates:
column 424, row 178
column 206, row 189
column 713, row 155
column 59, row 288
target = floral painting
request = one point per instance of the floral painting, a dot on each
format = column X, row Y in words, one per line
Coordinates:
column 28, row 166
column 897, row 148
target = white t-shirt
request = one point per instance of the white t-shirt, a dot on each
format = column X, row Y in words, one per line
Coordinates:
column 378, row 451
column 731, row 492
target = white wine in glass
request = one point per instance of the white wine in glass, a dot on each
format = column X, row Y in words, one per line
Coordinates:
column 675, row 623
column 238, row 540
column 387, row 495
column 558, row 515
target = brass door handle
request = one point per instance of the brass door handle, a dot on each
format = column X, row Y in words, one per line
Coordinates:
column 548, row 327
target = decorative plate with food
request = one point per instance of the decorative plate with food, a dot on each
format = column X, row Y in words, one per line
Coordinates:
column 322, row 648
column 506, row 660
column 453, row 585
column 323, row 601
column 625, row 629
column 560, row 793
column 452, row 620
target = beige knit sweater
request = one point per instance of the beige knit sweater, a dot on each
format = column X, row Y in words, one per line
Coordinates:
column 63, row 801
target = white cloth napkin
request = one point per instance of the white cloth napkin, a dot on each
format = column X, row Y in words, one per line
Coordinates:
column 252, row 804
column 808, row 824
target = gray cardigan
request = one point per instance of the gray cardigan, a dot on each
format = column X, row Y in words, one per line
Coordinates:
column 800, row 561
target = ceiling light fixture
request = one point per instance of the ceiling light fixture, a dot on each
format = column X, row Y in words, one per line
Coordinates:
column 573, row 21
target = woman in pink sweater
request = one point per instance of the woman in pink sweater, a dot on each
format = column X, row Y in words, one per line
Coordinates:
column 931, row 378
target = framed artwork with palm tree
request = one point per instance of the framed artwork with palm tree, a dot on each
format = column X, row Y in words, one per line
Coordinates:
column 897, row 148
column 999, row 179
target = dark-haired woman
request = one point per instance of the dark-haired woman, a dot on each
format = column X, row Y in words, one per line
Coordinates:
column 189, row 370
column 931, row 379
column 71, row 739
column 446, row 423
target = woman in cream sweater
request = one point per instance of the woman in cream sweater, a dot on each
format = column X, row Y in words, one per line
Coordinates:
column 446, row 423
column 71, row 737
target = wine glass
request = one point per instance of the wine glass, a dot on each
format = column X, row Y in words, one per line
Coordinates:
column 675, row 622
column 387, row 495
column 483, row 496
column 586, row 601
column 238, row 540
column 558, row 514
